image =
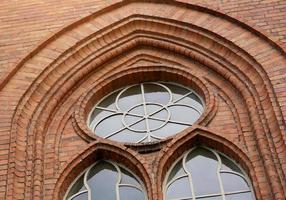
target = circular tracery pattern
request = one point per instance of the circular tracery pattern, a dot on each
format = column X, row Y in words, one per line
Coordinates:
column 145, row 112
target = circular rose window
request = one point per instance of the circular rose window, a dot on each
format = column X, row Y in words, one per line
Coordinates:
column 145, row 112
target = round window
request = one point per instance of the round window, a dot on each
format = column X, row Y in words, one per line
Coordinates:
column 145, row 112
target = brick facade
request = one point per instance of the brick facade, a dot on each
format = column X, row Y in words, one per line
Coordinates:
column 58, row 58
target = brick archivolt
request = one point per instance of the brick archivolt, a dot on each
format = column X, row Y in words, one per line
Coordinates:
column 127, row 43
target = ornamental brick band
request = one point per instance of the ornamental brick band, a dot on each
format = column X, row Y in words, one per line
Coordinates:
column 236, row 68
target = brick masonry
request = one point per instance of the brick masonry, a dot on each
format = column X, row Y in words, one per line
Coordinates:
column 59, row 57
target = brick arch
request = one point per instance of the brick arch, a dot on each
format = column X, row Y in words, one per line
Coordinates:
column 61, row 59
column 96, row 151
column 198, row 136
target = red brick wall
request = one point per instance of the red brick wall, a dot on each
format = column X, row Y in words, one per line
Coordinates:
column 42, row 115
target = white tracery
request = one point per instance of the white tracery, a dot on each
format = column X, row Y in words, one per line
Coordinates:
column 149, row 111
column 242, row 189
column 80, row 189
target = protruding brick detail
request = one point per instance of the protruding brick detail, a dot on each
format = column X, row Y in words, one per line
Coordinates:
column 53, row 88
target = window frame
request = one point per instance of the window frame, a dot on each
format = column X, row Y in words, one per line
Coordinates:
column 222, row 195
column 116, row 165
column 92, row 126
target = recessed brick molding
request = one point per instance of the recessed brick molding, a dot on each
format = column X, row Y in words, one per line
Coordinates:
column 59, row 58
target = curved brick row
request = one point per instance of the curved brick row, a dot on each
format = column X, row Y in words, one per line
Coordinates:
column 127, row 43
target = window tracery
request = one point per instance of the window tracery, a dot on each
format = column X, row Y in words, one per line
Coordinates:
column 106, row 180
column 206, row 174
column 145, row 112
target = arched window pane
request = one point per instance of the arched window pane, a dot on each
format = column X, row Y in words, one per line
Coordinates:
column 106, row 181
column 83, row 196
column 206, row 174
column 232, row 182
column 102, row 179
column 229, row 165
column 179, row 189
column 78, row 186
column 130, row 193
column 176, row 171
column 203, row 166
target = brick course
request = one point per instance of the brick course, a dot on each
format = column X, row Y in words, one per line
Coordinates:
column 230, row 52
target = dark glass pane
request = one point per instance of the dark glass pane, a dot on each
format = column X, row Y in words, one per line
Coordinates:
column 99, row 114
column 109, row 125
column 77, row 187
column 178, row 189
column 127, row 135
column 241, row 196
column 128, row 178
column 130, row 193
column 177, row 91
column 109, row 101
column 83, row 196
column 183, row 114
column 169, row 129
column 176, row 171
column 229, row 165
column 232, row 182
column 102, row 180
column 130, row 97
column 203, row 166
column 156, row 94
column 192, row 100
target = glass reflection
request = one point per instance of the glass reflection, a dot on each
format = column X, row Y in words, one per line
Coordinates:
column 208, row 175
column 106, row 181
column 157, row 109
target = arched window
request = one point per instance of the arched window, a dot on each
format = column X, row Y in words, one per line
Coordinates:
column 205, row 174
column 106, row 180
column 145, row 112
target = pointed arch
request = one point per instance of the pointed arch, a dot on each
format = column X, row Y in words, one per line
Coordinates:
column 97, row 151
column 83, row 48
column 198, row 136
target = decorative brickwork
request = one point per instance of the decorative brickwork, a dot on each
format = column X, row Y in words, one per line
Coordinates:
column 236, row 68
